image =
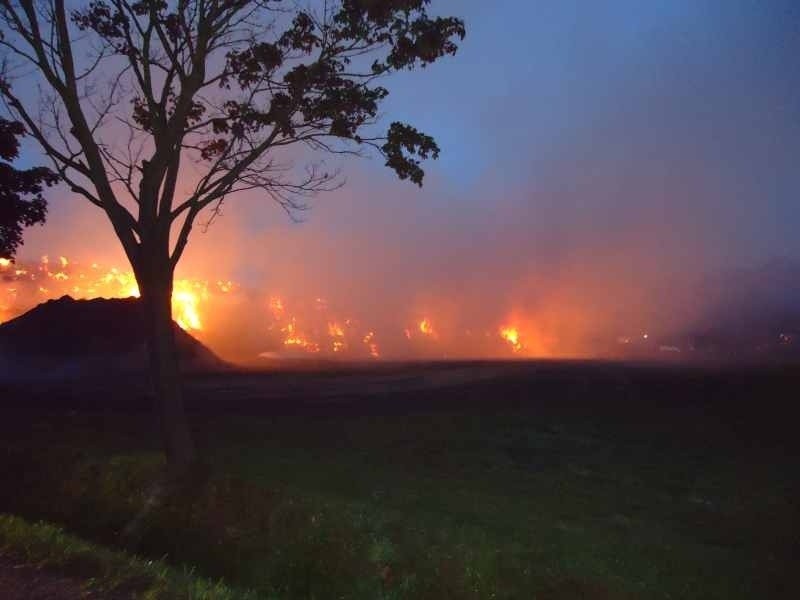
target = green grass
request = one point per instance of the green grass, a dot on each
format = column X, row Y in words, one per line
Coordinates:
column 429, row 506
column 103, row 570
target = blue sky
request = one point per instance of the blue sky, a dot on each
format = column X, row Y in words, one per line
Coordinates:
column 540, row 86
column 551, row 69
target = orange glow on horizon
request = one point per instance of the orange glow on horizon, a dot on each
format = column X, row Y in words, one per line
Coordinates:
column 243, row 323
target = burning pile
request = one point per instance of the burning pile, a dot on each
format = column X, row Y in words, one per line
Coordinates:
column 319, row 331
column 295, row 327
column 25, row 285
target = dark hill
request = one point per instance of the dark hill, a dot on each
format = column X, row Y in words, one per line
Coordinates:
column 84, row 337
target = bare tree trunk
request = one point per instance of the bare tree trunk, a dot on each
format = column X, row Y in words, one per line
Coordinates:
column 164, row 372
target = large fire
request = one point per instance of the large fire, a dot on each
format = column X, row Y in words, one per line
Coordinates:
column 223, row 313
column 318, row 331
column 309, row 336
column 48, row 278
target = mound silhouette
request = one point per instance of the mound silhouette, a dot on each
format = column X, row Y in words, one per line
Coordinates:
column 86, row 337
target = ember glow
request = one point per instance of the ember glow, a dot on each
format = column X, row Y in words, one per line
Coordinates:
column 316, row 330
column 27, row 284
column 336, row 333
column 245, row 323
column 369, row 341
column 295, row 338
column 426, row 328
column 511, row 335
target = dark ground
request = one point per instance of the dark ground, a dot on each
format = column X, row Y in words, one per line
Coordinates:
column 613, row 480
column 745, row 406
column 20, row 581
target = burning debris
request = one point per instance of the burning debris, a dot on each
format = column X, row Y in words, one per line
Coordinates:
column 369, row 341
column 220, row 311
column 291, row 327
column 316, row 331
column 27, row 285
column 426, row 328
column 336, row 333
column 313, row 331
column 511, row 335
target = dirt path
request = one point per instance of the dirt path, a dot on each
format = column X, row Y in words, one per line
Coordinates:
column 26, row 582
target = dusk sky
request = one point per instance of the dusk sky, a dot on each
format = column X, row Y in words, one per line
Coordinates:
column 592, row 153
column 560, row 97
column 554, row 98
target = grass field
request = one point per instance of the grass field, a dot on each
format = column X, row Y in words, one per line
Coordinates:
column 515, row 487
column 98, row 570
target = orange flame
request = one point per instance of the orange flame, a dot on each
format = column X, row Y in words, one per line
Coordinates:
column 336, row 332
column 313, row 325
column 294, row 338
column 369, row 340
column 111, row 283
column 426, row 328
column 186, row 298
column 511, row 335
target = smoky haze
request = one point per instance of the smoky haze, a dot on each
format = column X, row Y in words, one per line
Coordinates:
column 594, row 185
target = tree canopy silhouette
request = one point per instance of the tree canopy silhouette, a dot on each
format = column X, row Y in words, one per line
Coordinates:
column 133, row 91
column 21, row 200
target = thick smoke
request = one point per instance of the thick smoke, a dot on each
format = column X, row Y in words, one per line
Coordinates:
column 572, row 277
column 599, row 188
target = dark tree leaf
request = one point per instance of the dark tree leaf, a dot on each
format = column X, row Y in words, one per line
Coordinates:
column 403, row 145
column 21, row 200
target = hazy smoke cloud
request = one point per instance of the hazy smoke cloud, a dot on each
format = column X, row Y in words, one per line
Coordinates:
column 585, row 192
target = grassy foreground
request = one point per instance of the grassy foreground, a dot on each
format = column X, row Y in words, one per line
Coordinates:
column 513, row 504
column 103, row 570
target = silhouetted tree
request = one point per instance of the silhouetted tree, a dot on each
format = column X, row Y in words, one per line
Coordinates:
column 21, row 201
column 132, row 91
